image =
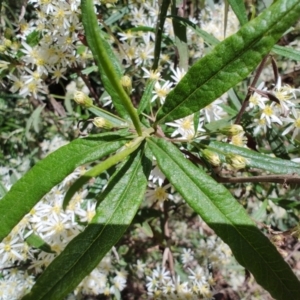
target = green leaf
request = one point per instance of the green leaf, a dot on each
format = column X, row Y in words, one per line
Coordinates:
column 208, row 38
column 147, row 95
column 256, row 159
column 159, row 31
column 91, row 29
column 120, row 202
column 98, row 169
column 34, row 120
column 234, row 99
column 230, row 62
column 51, row 171
column 287, row 52
column 239, row 9
column 33, row 38
column 108, row 64
column 37, row 242
column 180, row 39
column 167, row 40
column 116, row 121
column 214, row 203
column 276, row 142
column 119, row 14
column 216, row 125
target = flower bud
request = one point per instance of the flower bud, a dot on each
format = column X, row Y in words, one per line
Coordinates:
column 236, row 161
column 102, row 123
column 212, row 157
column 126, row 84
column 82, row 99
column 232, row 130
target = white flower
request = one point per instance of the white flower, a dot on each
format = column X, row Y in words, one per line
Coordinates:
column 187, row 256
column 156, row 174
column 159, row 194
column 161, row 92
column 152, row 75
column 269, row 114
column 177, row 74
column 185, row 127
column 257, row 100
column 294, row 123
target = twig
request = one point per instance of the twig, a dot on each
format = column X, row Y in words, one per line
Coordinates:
column 168, row 256
column 282, row 179
column 253, row 84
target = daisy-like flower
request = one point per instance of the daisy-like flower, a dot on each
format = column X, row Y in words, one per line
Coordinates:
column 177, row 74
column 213, row 111
column 152, row 75
column 144, row 54
column 159, row 194
column 187, row 256
column 10, row 250
column 127, row 35
column 284, row 94
column 152, row 283
column 181, row 288
column 156, row 175
column 294, row 123
column 58, row 73
column 140, row 268
column 260, row 125
column 269, row 114
column 257, row 100
column 197, row 276
column 162, row 275
column 185, row 127
column 161, row 91
column 88, row 213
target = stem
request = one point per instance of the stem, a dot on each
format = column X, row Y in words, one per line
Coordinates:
column 283, row 179
column 254, row 82
column 105, row 165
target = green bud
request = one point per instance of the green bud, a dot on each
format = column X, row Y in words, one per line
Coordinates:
column 102, row 123
column 126, row 84
column 82, row 99
column 236, row 161
column 232, row 130
column 212, row 157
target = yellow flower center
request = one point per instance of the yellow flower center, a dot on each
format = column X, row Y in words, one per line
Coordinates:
column 268, row 111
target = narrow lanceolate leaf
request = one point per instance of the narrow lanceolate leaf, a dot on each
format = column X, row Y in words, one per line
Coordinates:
column 120, row 202
column 277, row 143
column 239, row 9
column 256, row 159
column 287, row 52
column 51, row 171
column 214, row 203
column 209, row 39
column 37, row 242
column 180, row 32
column 91, row 29
column 147, row 95
column 108, row 64
column 164, row 5
column 230, row 62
